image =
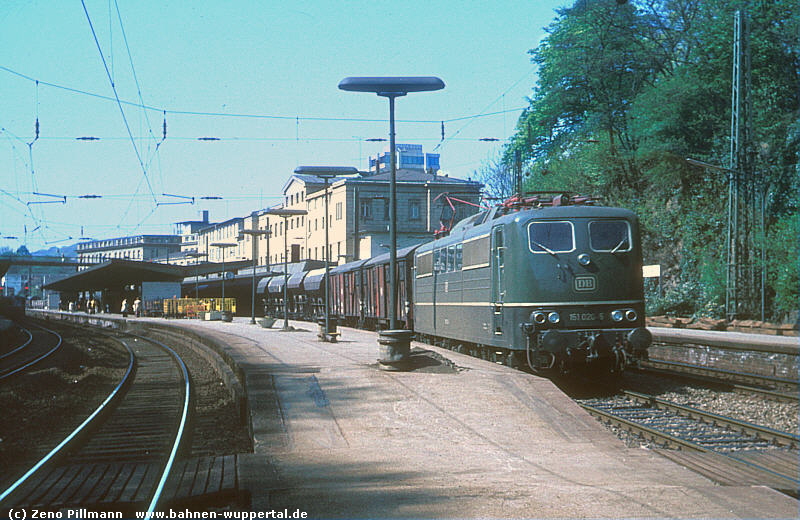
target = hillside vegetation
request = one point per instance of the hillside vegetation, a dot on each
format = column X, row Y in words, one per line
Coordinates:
column 626, row 92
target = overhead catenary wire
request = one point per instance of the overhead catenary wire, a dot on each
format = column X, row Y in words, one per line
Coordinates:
column 146, row 162
column 294, row 118
column 483, row 113
column 119, row 104
column 139, row 87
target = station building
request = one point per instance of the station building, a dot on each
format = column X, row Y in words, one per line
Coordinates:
column 145, row 248
column 357, row 220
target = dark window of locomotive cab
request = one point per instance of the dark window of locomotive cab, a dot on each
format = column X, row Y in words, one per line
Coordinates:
column 451, row 259
column 424, row 264
column 437, row 261
column 610, row 235
column 551, row 237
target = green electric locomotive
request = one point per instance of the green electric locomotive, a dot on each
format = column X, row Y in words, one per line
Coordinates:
column 554, row 283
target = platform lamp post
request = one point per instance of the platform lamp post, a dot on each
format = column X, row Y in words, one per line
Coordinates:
column 196, row 257
column 223, row 246
column 326, row 173
column 253, row 234
column 396, row 352
column 286, row 213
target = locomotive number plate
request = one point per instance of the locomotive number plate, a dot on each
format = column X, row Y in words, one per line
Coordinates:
column 586, row 316
column 585, row 283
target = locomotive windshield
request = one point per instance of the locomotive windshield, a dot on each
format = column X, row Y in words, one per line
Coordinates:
column 610, row 235
column 551, row 237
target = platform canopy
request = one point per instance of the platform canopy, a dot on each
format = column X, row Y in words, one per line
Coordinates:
column 116, row 273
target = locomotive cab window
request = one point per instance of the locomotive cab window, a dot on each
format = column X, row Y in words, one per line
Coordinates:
column 551, row 237
column 438, row 260
column 610, row 236
column 424, row 264
column 451, row 259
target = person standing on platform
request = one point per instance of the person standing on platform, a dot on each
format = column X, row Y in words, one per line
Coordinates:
column 137, row 307
column 124, row 308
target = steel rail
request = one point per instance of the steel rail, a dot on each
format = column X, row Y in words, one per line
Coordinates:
column 661, row 436
column 181, row 427
column 60, row 448
column 677, row 366
column 43, row 356
column 641, row 429
column 694, row 373
column 30, row 339
column 778, row 437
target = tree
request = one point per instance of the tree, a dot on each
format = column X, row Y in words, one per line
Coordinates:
column 627, row 92
column 497, row 177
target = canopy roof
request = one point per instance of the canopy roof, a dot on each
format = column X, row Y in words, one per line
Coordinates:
column 117, row 273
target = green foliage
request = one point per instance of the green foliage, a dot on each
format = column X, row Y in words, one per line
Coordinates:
column 782, row 267
column 627, row 92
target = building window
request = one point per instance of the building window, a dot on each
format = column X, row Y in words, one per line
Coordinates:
column 385, row 209
column 413, row 210
column 338, row 211
column 365, row 209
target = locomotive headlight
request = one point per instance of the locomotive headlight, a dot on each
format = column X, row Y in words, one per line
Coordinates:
column 617, row 315
column 630, row 315
column 584, row 259
column 539, row 317
column 553, row 318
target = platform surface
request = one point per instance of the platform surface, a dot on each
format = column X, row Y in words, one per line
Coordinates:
column 335, row 436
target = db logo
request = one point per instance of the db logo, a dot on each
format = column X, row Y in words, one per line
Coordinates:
column 585, row 283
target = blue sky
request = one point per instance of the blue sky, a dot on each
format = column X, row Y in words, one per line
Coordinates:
column 208, row 64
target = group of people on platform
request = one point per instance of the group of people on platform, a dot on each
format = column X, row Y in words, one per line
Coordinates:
column 94, row 306
column 90, row 306
column 126, row 308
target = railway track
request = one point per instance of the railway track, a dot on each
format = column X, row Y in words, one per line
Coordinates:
column 120, row 457
column 777, row 388
column 724, row 449
column 41, row 343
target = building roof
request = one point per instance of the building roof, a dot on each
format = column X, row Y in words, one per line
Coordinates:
column 310, row 179
column 415, row 176
column 221, row 224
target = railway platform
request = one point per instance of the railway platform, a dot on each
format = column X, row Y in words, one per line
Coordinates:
column 456, row 436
